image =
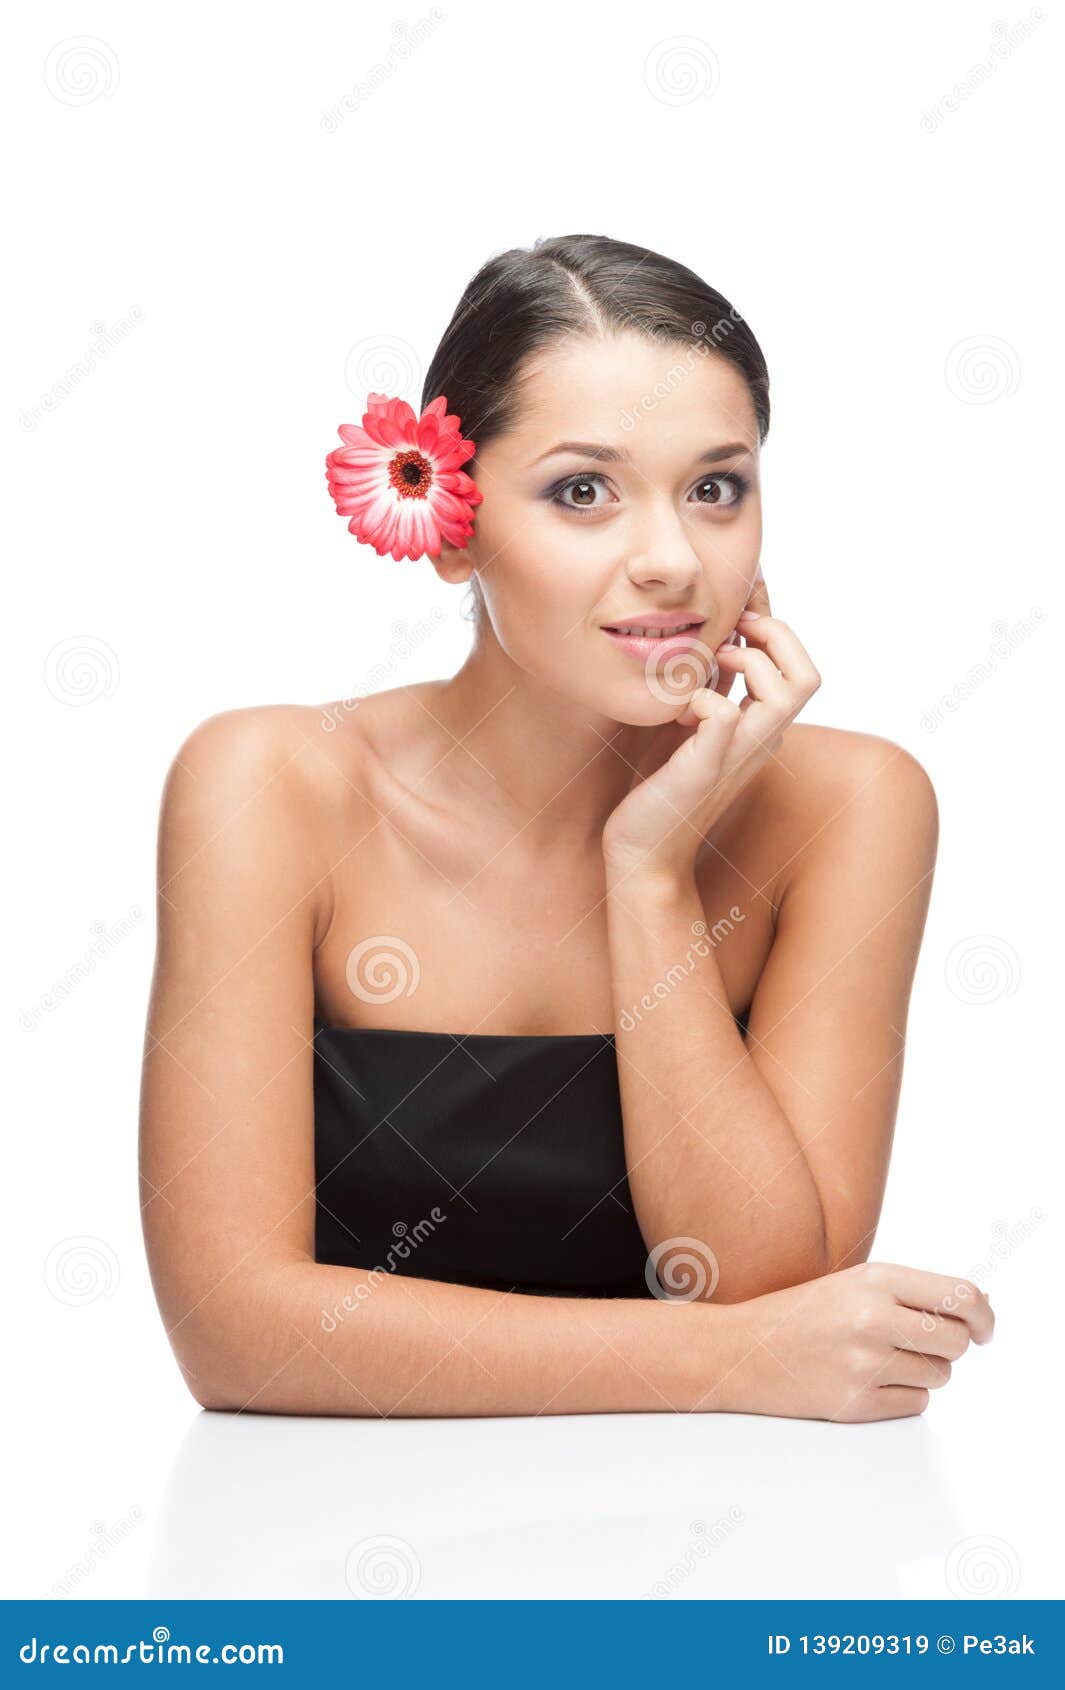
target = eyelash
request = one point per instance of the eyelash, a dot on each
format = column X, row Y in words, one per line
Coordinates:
column 740, row 482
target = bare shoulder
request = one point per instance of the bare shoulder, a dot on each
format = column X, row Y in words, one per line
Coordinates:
column 838, row 761
column 833, row 788
column 261, row 784
column 304, row 750
column 260, row 738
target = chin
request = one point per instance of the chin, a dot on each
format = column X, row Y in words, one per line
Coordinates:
column 637, row 707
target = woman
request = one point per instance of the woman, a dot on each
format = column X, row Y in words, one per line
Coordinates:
column 499, row 1012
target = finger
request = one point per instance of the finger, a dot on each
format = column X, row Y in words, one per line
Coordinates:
column 893, row 1401
column 706, row 704
column 928, row 1333
column 937, row 1293
column 725, row 680
column 762, row 678
column 908, row 1367
column 783, row 645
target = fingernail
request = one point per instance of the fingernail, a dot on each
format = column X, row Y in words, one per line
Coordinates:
column 751, row 615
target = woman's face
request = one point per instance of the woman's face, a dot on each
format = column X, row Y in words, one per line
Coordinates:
column 627, row 487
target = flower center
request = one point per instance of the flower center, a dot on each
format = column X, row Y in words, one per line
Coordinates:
column 411, row 475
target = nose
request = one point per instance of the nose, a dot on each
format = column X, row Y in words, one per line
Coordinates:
column 663, row 552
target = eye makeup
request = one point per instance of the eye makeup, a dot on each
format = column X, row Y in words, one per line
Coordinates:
column 740, row 485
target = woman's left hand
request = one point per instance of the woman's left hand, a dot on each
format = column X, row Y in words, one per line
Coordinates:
column 698, row 763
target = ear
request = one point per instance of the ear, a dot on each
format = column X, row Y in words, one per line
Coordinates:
column 454, row 564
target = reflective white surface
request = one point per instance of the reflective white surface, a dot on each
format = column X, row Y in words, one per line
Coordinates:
column 136, row 1492
column 602, row 1506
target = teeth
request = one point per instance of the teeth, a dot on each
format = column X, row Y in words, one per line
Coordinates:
column 655, row 633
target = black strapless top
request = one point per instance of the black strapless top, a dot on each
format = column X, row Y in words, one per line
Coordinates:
column 486, row 1159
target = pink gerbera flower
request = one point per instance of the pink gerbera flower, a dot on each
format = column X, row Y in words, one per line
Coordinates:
column 399, row 478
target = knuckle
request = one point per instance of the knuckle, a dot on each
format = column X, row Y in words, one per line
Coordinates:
column 706, row 702
column 725, row 712
column 861, row 1360
column 865, row 1319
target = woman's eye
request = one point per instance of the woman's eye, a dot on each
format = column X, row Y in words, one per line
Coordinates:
column 583, row 489
column 580, row 492
column 721, row 489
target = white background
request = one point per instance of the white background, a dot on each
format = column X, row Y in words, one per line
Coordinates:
column 194, row 189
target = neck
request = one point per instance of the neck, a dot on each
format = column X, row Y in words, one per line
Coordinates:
column 555, row 769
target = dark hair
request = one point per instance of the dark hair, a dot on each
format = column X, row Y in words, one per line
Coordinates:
column 570, row 285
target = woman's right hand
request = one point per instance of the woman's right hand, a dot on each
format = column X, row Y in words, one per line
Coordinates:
column 865, row 1343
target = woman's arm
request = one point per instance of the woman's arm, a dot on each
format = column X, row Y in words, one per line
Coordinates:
column 310, row 1338
column 227, row 1149
column 773, row 1153
column 227, row 1164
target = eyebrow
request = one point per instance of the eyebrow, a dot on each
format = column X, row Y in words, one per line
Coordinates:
column 610, row 454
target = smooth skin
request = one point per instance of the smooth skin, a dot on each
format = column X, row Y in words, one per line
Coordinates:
column 538, row 835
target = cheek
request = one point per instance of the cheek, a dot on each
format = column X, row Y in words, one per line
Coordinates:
column 545, row 575
column 736, row 544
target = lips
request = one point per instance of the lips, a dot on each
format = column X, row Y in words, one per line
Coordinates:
column 655, row 633
column 655, row 623
column 660, row 644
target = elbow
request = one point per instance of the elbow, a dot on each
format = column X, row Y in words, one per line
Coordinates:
column 219, row 1402
column 256, row 1352
column 230, row 1356
column 217, row 1383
